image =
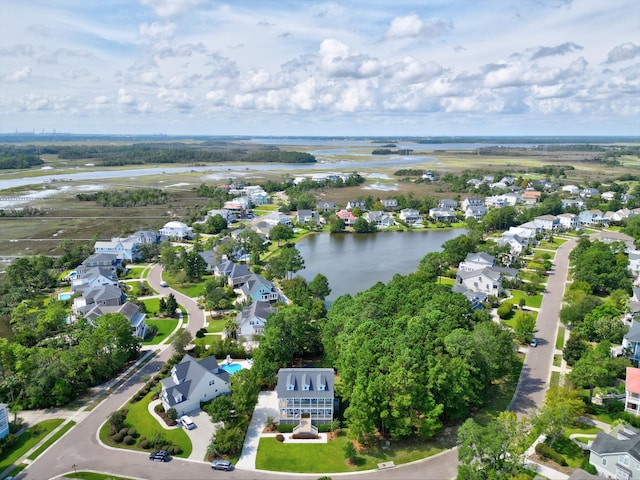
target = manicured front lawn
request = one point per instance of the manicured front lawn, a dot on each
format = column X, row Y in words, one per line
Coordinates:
column 93, row 476
column 533, row 301
column 216, row 326
column 446, row 281
column 165, row 328
column 560, row 338
column 28, row 440
column 146, row 426
column 329, row 457
column 152, row 305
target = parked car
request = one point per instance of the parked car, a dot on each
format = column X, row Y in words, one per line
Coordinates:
column 533, row 342
column 186, row 422
column 164, row 284
column 221, row 465
column 159, row 456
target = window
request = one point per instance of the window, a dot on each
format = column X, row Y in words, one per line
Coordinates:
column 604, row 461
column 624, row 460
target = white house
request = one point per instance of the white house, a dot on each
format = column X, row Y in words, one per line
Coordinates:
column 252, row 319
column 471, row 202
column 475, row 211
column 634, row 261
column 410, row 216
column 476, row 261
column 568, row 221
column 176, row 230
column 485, row 280
column 440, row 214
column 381, row 219
column 123, row 248
column 571, row 189
column 548, row 223
column 191, row 382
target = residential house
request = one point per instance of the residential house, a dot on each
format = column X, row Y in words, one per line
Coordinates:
column 471, row 202
column 191, row 382
column 486, row 280
column 571, row 189
column 109, row 260
column 530, row 197
column 592, row 217
column 516, row 243
column 608, row 196
column 209, row 257
column 103, row 295
column 4, row 420
column 631, row 343
column 92, row 277
column 252, row 319
column 474, row 181
column 476, row 299
column 528, row 232
column 508, row 180
column 307, row 216
column 632, row 391
column 226, row 214
column 634, row 261
column 123, row 248
column 445, row 215
column 497, row 186
column 476, row 261
column 129, row 310
column 347, row 217
column 326, row 207
column 568, row 221
column 146, row 237
column 533, row 227
column 236, row 273
column 238, row 206
column 577, row 203
column 381, row 219
column 177, row 230
column 476, row 212
column 589, row 192
column 448, row 203
column 276, row 218
column 617, row 454
column 548, row 223
column 305, row 391
column 259, row 289
column 410, row 216
column 390, row 204
column 351, row 204
column 429, row 176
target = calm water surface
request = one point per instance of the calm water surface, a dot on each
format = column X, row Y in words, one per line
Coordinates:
column 355, row 262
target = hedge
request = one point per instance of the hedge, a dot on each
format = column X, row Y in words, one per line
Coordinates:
column 286, row 427
column 545, row 451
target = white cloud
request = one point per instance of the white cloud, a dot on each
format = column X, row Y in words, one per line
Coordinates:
column 124, row 98
column 626, row 51
column 19, row 75
column 338, row 60
column 154, row 31
column 172, row 8
column 414, row 26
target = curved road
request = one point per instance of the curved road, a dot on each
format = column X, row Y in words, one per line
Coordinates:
column 79, row 449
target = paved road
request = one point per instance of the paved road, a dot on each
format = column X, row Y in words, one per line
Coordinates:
column 536, row 371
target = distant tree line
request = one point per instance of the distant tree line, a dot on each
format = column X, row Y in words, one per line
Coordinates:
column 126, row 198
column 386, row 151
column 19, row 157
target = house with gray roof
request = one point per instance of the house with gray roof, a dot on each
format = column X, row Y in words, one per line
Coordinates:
column 477, row 261
column 324, row 206
column 305, row 391
column 104, row 295
column 617, row 454
column 252, row 319
column 381, row 219
column 390, row 204
column 486, row 280
column 476, row 299
column 259, row 289
column 631, row 342
column 191, row 382
column 307, row 216
column 124, row 248
column 93, row 277
column 236, row 273
column 129, row 310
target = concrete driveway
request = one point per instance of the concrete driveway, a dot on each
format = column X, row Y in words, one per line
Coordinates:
column 201, row 435
column 267, row 406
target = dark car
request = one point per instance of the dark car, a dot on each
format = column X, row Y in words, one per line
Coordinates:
column 159, row 456
column 533, row 342
column 221, row 465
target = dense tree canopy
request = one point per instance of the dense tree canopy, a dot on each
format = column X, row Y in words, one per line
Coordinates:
column 603, row 266
column 411, row 354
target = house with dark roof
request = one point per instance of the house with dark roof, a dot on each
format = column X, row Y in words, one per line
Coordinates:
column 191, row 382
column 390, row 204
column 324, row 206
column 305, row 391
column 236, row 273
column 631, row 343
column 259, row 289
column 102, row 295
column 93, row 277
column 252, row 319
column 617, row 454
column 129, row 310
column 381, row 219
column 307, row 216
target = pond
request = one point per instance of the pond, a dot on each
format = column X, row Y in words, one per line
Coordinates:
column 355, row 262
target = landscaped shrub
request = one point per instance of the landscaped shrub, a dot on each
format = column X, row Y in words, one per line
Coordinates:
column 175, row 450
column 172, row 413
column 286, row 427
column 280, row 438
column 144, row 444
column 159, row 408
column 504, row 310
column 545, row 451
column 324, row 427
column 132, row 432
column 117, row 438
column 124, row 431
column 129, row 440
column 305, row 436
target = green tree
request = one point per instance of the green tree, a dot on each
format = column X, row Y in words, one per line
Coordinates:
column 591, row 371
column 319, row 287
column 574, row 349
column 562, row 408
column 181, row 340
column 524, row 326
column 281, row 232
column 336, row 225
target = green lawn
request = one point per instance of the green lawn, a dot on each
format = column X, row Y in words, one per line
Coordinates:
column 165, row 328
column 54, row 438
column 93, row 476
column 329, row 457
column 152, row 305
column 511, row 323
column 146, row 425
column 28, row 440
column 560, row 338
column 557, row 360
column 572, row 453
column 533, row 301
column 216, row 326
column 446, row 281
column 555, row 379
column 134, row 272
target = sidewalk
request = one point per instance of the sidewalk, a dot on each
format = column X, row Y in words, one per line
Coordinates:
column 267, row 406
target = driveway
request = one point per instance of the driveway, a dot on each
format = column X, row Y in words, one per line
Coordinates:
column 267, row 406
column 201, row 435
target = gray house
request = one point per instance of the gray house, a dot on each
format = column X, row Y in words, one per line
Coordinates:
column 192, row 382
column 617, row 454
column 305, row 391
column 252, row 319
column 129, row 310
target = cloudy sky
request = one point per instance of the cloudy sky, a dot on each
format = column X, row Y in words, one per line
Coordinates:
column 353, row 67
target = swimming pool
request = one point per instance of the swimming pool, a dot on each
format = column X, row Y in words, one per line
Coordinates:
column 231, row 367
column 64, row 296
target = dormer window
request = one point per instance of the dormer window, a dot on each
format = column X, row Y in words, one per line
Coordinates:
column 291, row 382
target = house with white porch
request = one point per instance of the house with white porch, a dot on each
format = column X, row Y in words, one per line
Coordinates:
column 252, row 319
column 381, row 219
column 548, row 223
column 177, row 230
column 445, row 215
column 485, row 280
column 259, row 289
column 410, row 216
column 568, row 221
column 305, row 392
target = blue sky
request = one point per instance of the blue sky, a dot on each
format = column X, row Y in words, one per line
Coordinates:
column 362, row 67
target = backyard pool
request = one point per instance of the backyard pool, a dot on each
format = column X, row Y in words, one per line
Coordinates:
column 231, row 367
column 64, row 296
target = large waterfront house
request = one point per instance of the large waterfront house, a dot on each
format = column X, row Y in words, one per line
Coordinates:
column 129, row 310
column 617, row 454
column 252, row 319
column 191, row 382
column 305, row 391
